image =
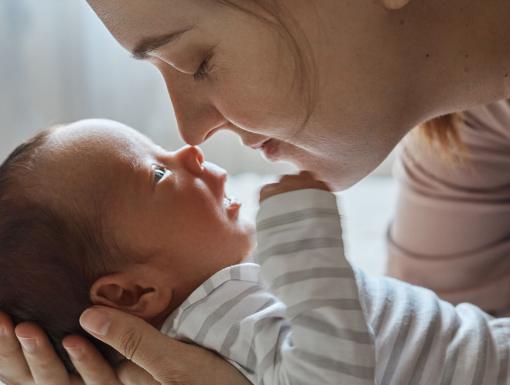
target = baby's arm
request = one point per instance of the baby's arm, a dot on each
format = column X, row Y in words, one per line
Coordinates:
column 302, row 260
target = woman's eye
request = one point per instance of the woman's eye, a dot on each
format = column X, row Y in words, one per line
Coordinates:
column 203, row 70
column 159, row 173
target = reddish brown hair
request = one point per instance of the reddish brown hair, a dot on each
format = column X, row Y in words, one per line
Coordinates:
column 443, row 132
column 48, row 259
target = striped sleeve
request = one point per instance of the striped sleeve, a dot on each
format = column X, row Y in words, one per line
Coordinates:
column 421, row 340
column 302, row 260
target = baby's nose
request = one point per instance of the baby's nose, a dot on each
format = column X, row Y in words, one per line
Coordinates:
column 192, row 158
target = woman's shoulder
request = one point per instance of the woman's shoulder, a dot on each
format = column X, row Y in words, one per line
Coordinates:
column 490, row 121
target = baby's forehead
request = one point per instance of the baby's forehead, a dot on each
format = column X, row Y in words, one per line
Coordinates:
column 101, row 141
column 93, row 156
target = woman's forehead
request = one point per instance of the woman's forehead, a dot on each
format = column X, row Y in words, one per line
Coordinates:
column 130, row 21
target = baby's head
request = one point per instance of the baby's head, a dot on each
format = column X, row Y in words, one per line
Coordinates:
column 95, row 213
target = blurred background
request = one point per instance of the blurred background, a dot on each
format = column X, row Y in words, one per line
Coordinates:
column 59, row 64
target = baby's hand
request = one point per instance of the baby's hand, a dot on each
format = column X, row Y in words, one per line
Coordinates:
column 303, row 180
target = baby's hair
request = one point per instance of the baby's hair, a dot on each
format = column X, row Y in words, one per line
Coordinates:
column 49, row 257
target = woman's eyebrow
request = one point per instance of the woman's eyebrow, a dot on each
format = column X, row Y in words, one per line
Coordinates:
column 148, row 44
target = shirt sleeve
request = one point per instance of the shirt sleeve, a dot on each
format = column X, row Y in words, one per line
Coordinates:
column 451, row 229
column 421, row 339
column 300, row 250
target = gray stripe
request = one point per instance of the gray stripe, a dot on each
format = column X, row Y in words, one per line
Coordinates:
column 220, row 312
column 188, row 311
column 235, row 273
column 400, row 342
column 296, row 216
column 233, row 332
column 419, row 367
column 386, row 296
column 320, row 326
column 301, row 245
column 482, row 355
column 251, row 361
column 452, row 357
column 503, row 368
column 230, row 340
column 303, row 275
column 274, row 356
column 293, row 380
column 208, row 286
column 342, row 304
column 357, row 371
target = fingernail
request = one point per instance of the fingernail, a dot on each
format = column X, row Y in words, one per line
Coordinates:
column 95, row 321
column 74, row 351
column 3, row 331
column 28, row 344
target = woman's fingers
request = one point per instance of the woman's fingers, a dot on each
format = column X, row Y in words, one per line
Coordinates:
column 13, row 366
column 168, row 361
column 44, row 363
column 395, row 4
column 131, row 374
column 134, row 338
column 93, row 368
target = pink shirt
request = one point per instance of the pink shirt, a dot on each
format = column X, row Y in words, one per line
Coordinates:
column 451, row 231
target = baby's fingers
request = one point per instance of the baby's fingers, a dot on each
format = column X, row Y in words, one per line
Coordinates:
column 138, row 341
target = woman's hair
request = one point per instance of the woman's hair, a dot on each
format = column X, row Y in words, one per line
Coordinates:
column 49, row 257
column 443, row 132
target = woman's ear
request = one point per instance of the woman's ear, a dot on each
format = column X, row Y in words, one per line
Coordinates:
column 134, row 296
column 394, row 4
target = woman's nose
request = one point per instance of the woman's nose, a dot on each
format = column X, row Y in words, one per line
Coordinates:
column 197, row 118
column 190, row 158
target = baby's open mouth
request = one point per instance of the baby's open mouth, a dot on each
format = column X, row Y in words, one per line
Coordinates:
column 232, row 206
column 229, row 201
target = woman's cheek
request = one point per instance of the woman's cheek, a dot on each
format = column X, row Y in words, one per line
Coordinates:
column 254, row 110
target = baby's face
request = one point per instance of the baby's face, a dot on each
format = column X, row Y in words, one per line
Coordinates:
column 169, row 206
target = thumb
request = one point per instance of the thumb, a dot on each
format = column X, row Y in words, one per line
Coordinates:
column 131, row 374
column 395, row 4
column 135, row 339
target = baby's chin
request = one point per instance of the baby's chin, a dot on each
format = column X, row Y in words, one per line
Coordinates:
column 251, row 244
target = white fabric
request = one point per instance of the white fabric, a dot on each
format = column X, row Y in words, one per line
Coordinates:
column 297, row 319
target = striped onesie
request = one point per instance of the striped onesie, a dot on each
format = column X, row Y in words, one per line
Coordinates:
column 303, row 315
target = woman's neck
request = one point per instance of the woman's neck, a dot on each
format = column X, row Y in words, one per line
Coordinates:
column 409, row 65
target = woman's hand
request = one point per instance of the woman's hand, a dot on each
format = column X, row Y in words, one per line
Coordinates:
column 40, row 365
column 169, row 362
column 394, row 4
column 287, row 183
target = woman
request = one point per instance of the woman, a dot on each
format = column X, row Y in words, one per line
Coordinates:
column 330, row 85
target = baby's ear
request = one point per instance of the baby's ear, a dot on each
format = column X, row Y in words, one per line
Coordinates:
column 394, row 4
column 124, row 292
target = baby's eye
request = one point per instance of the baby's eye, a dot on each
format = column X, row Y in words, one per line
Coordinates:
column 159, row 173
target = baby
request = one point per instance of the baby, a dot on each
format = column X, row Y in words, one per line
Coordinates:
column 95, row 213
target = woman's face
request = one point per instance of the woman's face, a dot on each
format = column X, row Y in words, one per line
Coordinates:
column 226, row 69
